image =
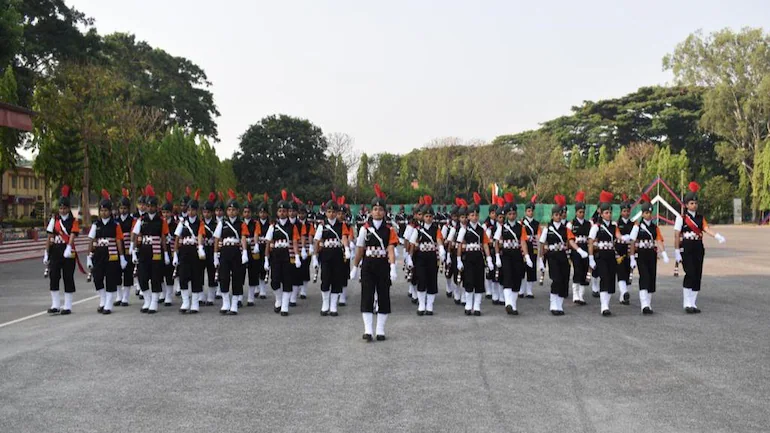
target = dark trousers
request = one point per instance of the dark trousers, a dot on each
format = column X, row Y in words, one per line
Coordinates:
column 281, row 271
column 607, row 265
column 151, row 274
column 375, row 278
column 647, row 263
column 62, row 269
column 512, row 271
column 127, row 275
column 473, row 272
column 426, row 268
column 106, row 272
column 580, row 266
column 531, row 272
column 624, row 268
column 333, row 270
column 558, row 271
column 191, row 269
column 692, row 263
column 211, row 271
column 231, row 270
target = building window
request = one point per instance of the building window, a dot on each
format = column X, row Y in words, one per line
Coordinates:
column 26, row 182
column 37, row 183
column 14, row 181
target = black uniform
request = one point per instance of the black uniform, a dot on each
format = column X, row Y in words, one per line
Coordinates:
column 331, row 256
column 255, row 266
column 606, row 256
column 126, row 225
column 151, row 260
column 231, row 267
column 473, row 258
column 557, row 244
column 282, row 255
column 581, row 231
column 105, row 256
column 513, row 269
column 533, row 233
column 692, row 250
column 621, row 247
column 375, row 268
column 647, row 255
column 191, row 267
column 426, row 258
column 206, row 229
column 168, row 270
column 61, row 268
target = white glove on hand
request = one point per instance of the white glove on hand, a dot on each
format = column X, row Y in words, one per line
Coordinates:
column 175, row 260
column 490, row 265
column 216, row 260
column 395, row 250
column 540, row 264
column 448, row 259
column 353, row 272
column 267, row 264
column 633, row 262
column 201, row 252
column 68, row 252
column 678, row 256
column 408, row 261
column 528, row 261
column 720, row 238
column 89, row 262
column 131, row 249
column 45, row 258
column 123, row 262
column 592, row 262
column 393, row 274
column 166, row 259
column 297, row 261
column 244, row 257
column 582, row 253
column 134, row 258
column 311, row 250
column 314, row 262
column 347, row 254
column 460, row 264
column 664, row 255
column 498, row 261
column 441, row 253
column 255, row 250
column 304, row 254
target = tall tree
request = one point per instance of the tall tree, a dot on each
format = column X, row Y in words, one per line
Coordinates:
column 9, row 138
column 362, row 175
column 735, row 66
column 343, row 158
column 11, row 31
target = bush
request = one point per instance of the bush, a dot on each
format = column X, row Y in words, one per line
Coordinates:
column 717, row 200
column 24, row 223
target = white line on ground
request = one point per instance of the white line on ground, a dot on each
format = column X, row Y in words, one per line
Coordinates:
column 32, row 316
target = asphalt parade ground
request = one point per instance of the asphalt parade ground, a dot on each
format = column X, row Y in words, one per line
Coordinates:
column 132, row 372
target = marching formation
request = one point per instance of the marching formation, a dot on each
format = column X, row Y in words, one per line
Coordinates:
column 230, row 245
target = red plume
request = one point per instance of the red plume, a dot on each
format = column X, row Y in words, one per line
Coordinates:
column 605, row 197
column 265, row 197
column 169, row 197
column 341, row 200
column 476, row 198
column 65, row 191
column 231, row 194
column 625, row 197
column 334, row 197
column 197, row 194
column 693, row 186
column 500, row 202
column 534, row 197
column 508, row 197
column 463, row 202
column 125, row 192
column 296, row 200
column 187, row 191
column 560, row 200
column 221, row 197
column 428, row 200
column 378, row 192
column 580, row 197
column 421, row 200
column 646, row 198
column 105, row 194
column 248, row 197
column 284, row 195
column 212, row 197
column 458, row 201
column 149, row 191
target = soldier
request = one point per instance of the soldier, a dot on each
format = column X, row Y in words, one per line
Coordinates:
column 580, row 227
column 449, row 270
column 282, row 255
column 254, row 267
column 511, row 254
column 490, row 226
column 688, row 247
column 554, row 243
column 473, row 247
column 189, row 257
column 297, row 274
column 462, row 222
column 375, row 254
column 647, row 240
column 426, row 242
column 533, row 235
column 342, row 215
column 167, row 286
column 262, row 225
column 306, row 233
column 126, row 222
column 601, row 242
column 231, row 253
column 219, row 212
column 141, row 209
column 626, row 261
column 595, row 280
column 60, row 255
column 331, row 239
column 105, row 257
column 206, row 241
column 413, row 225
column 148, row 250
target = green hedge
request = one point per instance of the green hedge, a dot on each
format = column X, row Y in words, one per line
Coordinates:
column 24, row 223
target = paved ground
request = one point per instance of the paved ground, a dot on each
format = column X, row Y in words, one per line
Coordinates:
column 130, row 372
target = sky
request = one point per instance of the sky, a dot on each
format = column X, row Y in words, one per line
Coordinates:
column 396, row 74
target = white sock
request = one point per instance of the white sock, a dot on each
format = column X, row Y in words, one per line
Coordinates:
column 448, row 285
column 421, row 299
column 429, row 302
column 234, row 304
column 595, row 285
column 226, row 301
column 102, row 296
column 487, row 289
column 154, row 301
column 477, row 297
column 219, row 291
column 368, row 321
column 649, row 299
column 278, row 297
column 55, row 299
column 604, row 297
column 325, row 299
column 623, row 288
column 250, row 297
column 285, row 299
column 495, row 292
column 147, row 295
column 575, row 292
column 559, row 303
column 458, row 292
column 582, row 290
column 686, row 297
column 68, row 301
column 381, row 319
column 185, row 299
column 344, row 295
column 195, row 305
column 303, row 289
column 530, row 284
column 333, row 300
column 212, row 293
column 514, row 300
column 262, row 288
column 507, row 293
column 693, row 297
column 411, row 290
column 126, row 294
column 468, row 300
column 294, row 293
column 108, row 300
column 553, row 302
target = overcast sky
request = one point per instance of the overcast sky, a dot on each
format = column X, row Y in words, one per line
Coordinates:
column 395, row 74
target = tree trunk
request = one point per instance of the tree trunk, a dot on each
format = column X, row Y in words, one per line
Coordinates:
column 85, row 207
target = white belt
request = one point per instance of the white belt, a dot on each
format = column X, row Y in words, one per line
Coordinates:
column 103, row 242
column 511, row 244
column 605, row 245
column 646, row 244
column 332, row 243
column 376, row 252
column 428, row 246
column 230, row 242
column 281, row 244
column 58, row 240
column 472, row 247
column 262, row 240
column 556, row 247
column 209, row 242
column 691, row 236
column 581, row 239
column 189, row 241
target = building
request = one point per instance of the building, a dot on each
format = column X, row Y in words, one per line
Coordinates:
column 23, row 190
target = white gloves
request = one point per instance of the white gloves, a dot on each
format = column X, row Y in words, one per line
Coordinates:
column 633, row 262
column 498, row 261
column 460, row 264
column 131, row 249
column 175, row 260
column 201, row 252
column 297, row 261
column 123, row 262
column 528, row 261
column 408, row 261
column 677, row 256
column 244, row 257
column 45, row 258
column 166, row 258
column 68, row 252
column 311, row 250
column 255, row 250
column 592, row 262
column 540, row 264
column 347, row 254
column 89, row 262
column 314, row 262
column 393, row 274
column 719, row 238
column 441, row 253
column 490, row 265
column 353, row 272
column 304, row 254
column 448, row 259
column 134, row 258
column 216, row 260
column 664, row 256
column 582, row 253
column 267, row 264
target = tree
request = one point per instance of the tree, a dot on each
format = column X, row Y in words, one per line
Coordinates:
column 11, row 31
column 362, row 176
column 9, row 138
column 538, row 165
column 575, row 158
column 604, row 156
column 735, row 66
column 273, row 154
column 343, row 157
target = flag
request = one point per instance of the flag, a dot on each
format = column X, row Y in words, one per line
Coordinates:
column 496, row 191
